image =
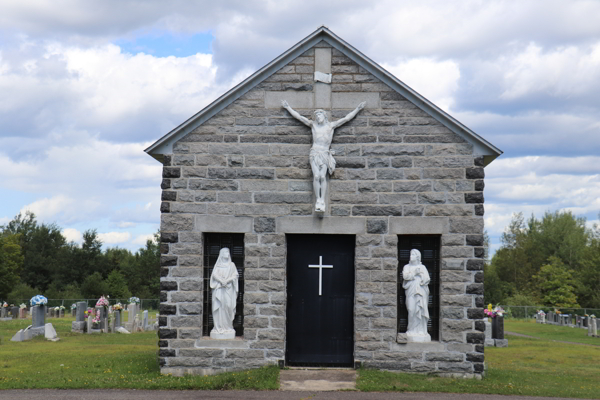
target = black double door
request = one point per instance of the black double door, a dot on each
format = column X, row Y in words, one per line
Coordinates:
column 320, row 327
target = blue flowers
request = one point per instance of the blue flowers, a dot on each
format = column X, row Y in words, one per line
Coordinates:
column 38, row 300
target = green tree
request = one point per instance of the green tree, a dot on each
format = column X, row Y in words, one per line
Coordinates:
column 117, row 286
column 11, row 262
column 94, row 286
column 22, row 292
column 556, row 284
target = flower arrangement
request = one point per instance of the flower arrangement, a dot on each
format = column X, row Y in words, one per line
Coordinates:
column 22, row 305
column 96, row 320
column 73, row 306
column 102, row 302
column 5, row 304
column 541, row 313
column 38, row 300
column 62, row 307
column 557, row 311
column 117, row 307
column 494, row 312
column 134, row 299
column 56, row 308
column 592, row 316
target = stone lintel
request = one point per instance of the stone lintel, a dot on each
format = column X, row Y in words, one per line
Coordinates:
column 418, row 225
column 415, row 347
column 223, row 223
column 207, row 343
column 331, row 225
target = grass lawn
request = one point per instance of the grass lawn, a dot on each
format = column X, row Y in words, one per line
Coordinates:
column 103, row 361
column 532, row 367
column 550, row 332
column 535, row 367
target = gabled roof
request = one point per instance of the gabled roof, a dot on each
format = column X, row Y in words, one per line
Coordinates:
column 481, row 146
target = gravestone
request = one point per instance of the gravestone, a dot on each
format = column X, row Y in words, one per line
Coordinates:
column 594, row 327
column 117, row 318
column 397, row 175
column 590, row 327
column 38, row 322
column 79, row 325
column 15, row 312
column 102, row 312
column 61, row 313
column 3, row 312
column 132, row 314
column 22, row 313
column 145, row 320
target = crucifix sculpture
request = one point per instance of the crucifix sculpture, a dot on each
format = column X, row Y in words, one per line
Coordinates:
column 321, row 157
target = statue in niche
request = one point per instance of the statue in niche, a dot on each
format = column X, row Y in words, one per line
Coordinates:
column 416, row 281
column 321, row 157
column 224, row 286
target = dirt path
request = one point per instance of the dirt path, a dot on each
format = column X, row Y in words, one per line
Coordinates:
column 557, row 341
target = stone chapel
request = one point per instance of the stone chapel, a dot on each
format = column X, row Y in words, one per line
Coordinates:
column 322, row 286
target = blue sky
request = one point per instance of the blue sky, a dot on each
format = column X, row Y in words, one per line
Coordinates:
column 83, row 92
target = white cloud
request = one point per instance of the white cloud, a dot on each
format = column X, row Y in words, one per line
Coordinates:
column 72, row 235
column 142, row 239
column 436, row 80
column 559, row 72
column 114, row 237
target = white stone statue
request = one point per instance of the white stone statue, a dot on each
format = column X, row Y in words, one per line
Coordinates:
column 224, row 285
column 416, row 279
column 321, row 158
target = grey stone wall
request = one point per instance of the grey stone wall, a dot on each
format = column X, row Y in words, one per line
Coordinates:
column 399, row 171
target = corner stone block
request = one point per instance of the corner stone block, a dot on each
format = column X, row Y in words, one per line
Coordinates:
column 176, row 222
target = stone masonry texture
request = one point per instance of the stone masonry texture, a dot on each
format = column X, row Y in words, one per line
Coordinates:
column 393, row 161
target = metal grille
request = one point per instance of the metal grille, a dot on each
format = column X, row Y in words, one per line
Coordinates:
column 213, row 243
column 429, row 246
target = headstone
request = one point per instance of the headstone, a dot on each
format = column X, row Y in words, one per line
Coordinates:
column 38, row 322
column 38, row 316
column 488, row 328
column 145, row 320
column 50, row 332
column 498, row 327
column 594, row 327
column 590, row 328
column 19, row 336
column 61, row 313
column 79, row 325
column 585, row 322
column 117, row 318
column 3, row 312
column 501, row 342
column 133, row 309
column 112, row 325
column 22, row 313
column 122, row 330
column 102, row 313
column 80, row 311
column 15, row 312
column 73, row 312
column 89, row 324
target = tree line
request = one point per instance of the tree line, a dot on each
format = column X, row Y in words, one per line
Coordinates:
column 553, row 261
column 36, row 258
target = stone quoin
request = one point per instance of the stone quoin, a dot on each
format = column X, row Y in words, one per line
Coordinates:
column 407, row 176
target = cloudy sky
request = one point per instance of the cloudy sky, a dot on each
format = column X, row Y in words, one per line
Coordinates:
column 86, row 86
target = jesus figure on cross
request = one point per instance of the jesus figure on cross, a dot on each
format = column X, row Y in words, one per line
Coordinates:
column 321, row 157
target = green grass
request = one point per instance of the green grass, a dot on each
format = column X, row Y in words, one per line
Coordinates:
column 550, row 332
column 103, row 361
column 532, row 367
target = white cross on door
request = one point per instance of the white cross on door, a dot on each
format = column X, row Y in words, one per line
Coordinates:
column 320, row 266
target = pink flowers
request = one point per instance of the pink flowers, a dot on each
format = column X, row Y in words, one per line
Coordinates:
column 102, row 302
column 496, row 311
